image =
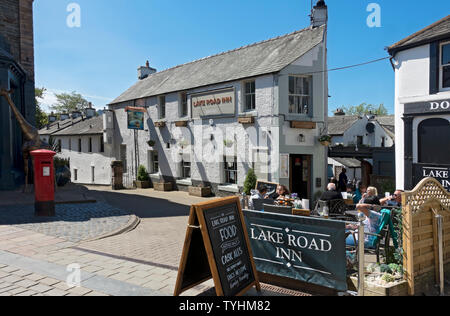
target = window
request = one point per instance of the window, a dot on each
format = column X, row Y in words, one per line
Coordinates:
column 162, row 107
column 433, row 134
column 183, row 105
column 444, row 67
column 123, row 157
column 383, row 141
column 59, row 146
column 92, row 174
column 75, row 174
column 102, row 144
column 79, row 145
column 299, row 95
column 249, row 96
column 230, row 170
column 70, row 144
column 90, row 144
column 154, row 162
column 359, row 140
column 185, row 169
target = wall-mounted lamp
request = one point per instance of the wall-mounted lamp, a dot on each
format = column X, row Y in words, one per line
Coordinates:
column 301, row 138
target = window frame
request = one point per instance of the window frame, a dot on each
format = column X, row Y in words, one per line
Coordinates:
column 184, row 105
column 162, row 107
column 245, row 93
column 228, row 171
column 297, row 95
column 80, row 144
column 155, row 162
column 186, row 165
column 441, row 67
column 102, row 144
column 90, row 145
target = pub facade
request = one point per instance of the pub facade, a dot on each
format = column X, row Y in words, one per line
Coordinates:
column 208, row 122
column 422, row 105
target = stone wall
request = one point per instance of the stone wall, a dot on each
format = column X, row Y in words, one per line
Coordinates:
column 16, row 26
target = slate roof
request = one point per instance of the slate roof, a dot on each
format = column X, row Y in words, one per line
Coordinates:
column 57, row 126
column 337, row 125
column 437, row 30
column 88, row 126
column 253, row 60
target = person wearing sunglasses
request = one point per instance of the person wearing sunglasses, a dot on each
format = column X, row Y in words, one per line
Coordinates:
column 393, row 200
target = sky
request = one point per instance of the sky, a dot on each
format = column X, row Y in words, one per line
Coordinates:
column 97, row 52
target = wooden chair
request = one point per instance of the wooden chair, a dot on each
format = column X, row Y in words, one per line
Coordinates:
column 337, row 209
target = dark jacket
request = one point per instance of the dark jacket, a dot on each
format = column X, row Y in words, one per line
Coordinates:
column 330, row 196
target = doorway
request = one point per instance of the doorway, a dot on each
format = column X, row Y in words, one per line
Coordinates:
column 300, row 175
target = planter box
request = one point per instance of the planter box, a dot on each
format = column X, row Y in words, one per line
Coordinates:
column 372, row 289
column 165, row 186
column 199, row 191
column 143, row 184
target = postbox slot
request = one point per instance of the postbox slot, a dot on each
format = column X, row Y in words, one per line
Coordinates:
column 46, row 163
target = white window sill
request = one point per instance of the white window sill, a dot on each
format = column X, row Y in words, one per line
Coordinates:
column 187, row 182
column 249, row 113
column 154, row 176
column 233, row 188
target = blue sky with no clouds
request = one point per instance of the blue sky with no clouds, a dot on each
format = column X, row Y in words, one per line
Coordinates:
column 100, row 58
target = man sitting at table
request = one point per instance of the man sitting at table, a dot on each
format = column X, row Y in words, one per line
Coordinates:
column 331, row 193
column 394, row 200
column 257, row 195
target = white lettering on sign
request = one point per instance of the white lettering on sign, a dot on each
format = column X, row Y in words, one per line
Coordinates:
column 444, row 105
column 435, row 173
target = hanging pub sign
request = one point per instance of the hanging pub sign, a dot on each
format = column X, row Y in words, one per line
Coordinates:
column 306, row 249
column 440, row 173
column 135, row 117
column 217, row 246
column 217, row 103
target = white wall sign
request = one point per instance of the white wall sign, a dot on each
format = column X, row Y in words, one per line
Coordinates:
column 216, row 103
column 284, row 166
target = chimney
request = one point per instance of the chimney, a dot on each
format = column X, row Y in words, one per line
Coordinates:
column 75, row 114
column 145, row 71
column 64, row 116
column 339, row 112
column 90, row 112
column 319, row 14
column 52, row 118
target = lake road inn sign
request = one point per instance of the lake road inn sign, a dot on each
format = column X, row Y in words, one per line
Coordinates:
column 217, row 103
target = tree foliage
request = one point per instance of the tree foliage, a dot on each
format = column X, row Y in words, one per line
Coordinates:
column 365, row 108
column 41, row 116
column 67, row 103
column 250, row 181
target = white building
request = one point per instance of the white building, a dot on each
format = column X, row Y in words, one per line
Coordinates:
column 81, row 140
column 422, row 105
column 261, row 106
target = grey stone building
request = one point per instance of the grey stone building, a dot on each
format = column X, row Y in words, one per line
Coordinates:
column 262, row 106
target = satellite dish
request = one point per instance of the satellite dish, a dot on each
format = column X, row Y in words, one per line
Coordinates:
column 370, row 128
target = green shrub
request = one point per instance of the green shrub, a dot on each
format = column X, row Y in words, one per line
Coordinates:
column 143, row 174
column 250, row 181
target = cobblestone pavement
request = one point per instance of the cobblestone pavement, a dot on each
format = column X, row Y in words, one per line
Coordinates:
column 73, row 222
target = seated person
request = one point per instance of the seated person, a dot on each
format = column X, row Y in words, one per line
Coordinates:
column 371, row 224
column 360, row 190
column 331, row 193
column 394, row 200
column 370, row 197
column 257, row 195
column 281, row 192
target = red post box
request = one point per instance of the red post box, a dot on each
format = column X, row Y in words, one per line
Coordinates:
column 44, row 182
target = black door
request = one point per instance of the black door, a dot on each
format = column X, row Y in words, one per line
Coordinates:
column 301, row 175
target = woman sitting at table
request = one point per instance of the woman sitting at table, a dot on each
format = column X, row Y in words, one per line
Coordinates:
column 281, row 192
column 371, row 197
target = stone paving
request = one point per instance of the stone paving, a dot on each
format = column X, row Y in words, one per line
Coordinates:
column 73, row 222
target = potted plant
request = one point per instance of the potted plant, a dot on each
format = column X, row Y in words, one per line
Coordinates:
column 228, row 143
column 250, row 182
column 151, row 143
column 143, row 180
column 200, row 191
column 325, row 140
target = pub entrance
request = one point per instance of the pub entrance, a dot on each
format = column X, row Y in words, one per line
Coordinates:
column 300, row 175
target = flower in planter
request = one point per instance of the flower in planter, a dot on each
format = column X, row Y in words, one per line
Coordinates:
column 143, row 174
column 151, row 143
column 325, row 139
column 228, row 143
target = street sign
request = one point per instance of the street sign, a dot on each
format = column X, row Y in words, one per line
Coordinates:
column 217, row 245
